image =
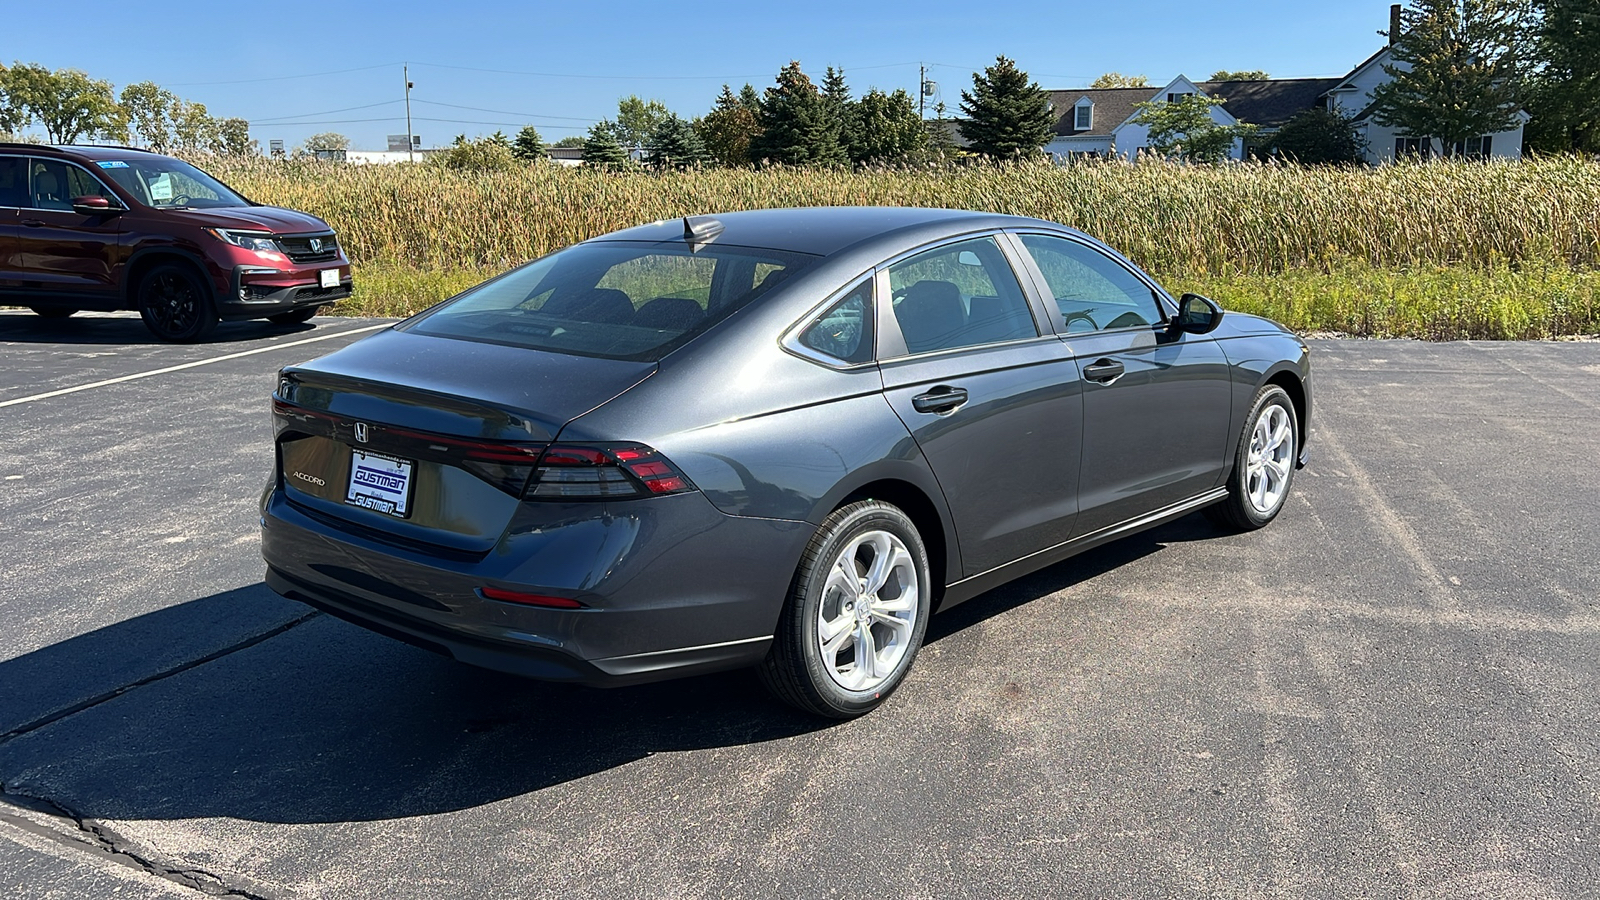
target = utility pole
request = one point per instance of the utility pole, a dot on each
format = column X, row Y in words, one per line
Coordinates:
column 922, row 90
column 405, row 72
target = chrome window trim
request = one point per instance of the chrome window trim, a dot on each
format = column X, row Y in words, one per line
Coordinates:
column 885, row 303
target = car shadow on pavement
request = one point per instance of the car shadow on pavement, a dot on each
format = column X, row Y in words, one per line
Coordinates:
column 123, row 329
column 326, row 722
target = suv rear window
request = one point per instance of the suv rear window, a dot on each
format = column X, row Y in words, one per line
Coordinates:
column 612, row 299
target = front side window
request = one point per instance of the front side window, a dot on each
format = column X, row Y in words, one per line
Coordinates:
column 612, row 299
column 959, row 295
column 1093, row 291
column 844, row 331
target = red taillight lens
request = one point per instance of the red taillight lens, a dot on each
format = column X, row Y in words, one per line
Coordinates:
column 530, row 599
column 578, row 472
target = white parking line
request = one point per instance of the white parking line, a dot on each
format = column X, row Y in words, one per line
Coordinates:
column 189, row 365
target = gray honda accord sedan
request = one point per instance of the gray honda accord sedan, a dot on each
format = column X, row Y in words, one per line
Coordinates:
column 778, row 439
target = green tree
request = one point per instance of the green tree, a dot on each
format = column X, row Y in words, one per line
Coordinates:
column 637, row 119
column 1319, row 137
column 233, row 138
column 528, row 146
column 750, row 98
column 194, row 130
column 149, row 108
column 1184, row 128
column 328, row 140
column 1007, row 116
column 1456, row 72
column 1246, row 75
column 727, row 130
column 797, row 125
column 14, row 114
column 483, row 154
column 571, row 140
column 68, row 103
column 675, row 145
column 886, row 130
column 1119, row 80
column 1564, row 96
column 602, row 149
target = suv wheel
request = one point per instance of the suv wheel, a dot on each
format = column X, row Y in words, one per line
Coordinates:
column 175, row 304
column 52, row 312
column 295, row 316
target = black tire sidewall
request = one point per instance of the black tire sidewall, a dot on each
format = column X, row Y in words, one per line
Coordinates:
column 205, row 320
column 1272, row 395
column 868, row 517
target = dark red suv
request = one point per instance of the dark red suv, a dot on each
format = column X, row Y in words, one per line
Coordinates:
column 107, row 228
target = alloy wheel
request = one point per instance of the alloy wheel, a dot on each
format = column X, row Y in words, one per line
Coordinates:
column 868, row 612
column 1270, row 460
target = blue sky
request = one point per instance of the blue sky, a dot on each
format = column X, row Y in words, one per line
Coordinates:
column 482, row 66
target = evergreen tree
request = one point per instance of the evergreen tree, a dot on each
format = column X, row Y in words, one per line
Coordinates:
column 602, row 149
column 1456, row 73
column 839, row 106
column 675, row 145
column 528, row 146
column 1006, row 115
column 749, row 98
column 1565, row 95
column 1318, row 137
column 727, row 130
column 797, row 128
column 886, row 130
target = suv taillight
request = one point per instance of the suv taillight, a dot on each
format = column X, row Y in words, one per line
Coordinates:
column 584, row 472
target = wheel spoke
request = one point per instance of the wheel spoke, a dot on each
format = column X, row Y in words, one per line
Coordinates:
column 866, row 653
column 883, row 556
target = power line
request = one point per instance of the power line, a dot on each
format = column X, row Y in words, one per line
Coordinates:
column 281, row 77
column 283, row 120
column 506, row 112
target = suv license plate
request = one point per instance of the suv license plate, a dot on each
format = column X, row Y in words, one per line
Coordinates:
column 380, row 483
column 328, row 278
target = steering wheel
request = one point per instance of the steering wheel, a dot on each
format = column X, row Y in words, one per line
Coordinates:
column 1081, row 316
column 179, row 200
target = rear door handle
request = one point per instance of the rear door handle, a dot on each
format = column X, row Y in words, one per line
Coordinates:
column 33, row 223
column 940, row 400
column 1103, row 371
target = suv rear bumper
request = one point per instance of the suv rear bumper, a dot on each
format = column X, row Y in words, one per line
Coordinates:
column 254, row 292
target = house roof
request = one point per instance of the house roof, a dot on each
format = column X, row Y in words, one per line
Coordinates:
column 1112, row 107
column 1269, row 103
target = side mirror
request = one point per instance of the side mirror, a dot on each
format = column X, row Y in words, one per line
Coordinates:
column 96, row 206
column 1197, row 315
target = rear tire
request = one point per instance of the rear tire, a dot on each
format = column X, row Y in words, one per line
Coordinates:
column 1263, row 466
column 52, row 312
column 856, row 614
column 176, row 305
column 295, row 316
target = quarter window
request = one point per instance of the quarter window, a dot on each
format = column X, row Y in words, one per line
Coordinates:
column 959, row 295
column 1093, row 291
column 844, row 332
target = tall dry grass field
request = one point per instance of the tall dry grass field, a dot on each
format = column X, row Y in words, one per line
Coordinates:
column 1528, row 233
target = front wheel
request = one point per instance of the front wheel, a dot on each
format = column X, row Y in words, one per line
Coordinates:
column 1263, row 467
column 175, row 304
column 856, row 613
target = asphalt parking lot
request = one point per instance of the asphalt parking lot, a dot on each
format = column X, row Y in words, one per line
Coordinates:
column 1393, row 691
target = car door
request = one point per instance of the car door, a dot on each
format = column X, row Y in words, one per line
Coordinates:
column 1156, row 401
column 13, row 187
column 992, row 399
column 60, row 254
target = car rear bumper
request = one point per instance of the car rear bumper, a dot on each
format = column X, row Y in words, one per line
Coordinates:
column 255, row 291
column 665, row 597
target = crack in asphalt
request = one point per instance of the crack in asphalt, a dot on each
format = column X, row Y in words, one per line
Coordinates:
column 96, row 837
column 92, row 702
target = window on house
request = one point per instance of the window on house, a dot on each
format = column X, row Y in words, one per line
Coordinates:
column 1175, row 97
column 1084, row 120
column 1421, row 148
column 1474, row 148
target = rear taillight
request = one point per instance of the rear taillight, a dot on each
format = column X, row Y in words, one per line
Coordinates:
column 583, row 472
column 526, row 599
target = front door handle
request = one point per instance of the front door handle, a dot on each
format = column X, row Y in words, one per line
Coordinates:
column 1103, row 371
column 33, row 223
column 940, row 400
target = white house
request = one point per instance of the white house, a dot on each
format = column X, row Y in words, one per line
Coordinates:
column 1100, row 122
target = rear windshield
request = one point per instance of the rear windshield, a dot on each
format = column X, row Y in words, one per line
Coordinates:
column 615, row 299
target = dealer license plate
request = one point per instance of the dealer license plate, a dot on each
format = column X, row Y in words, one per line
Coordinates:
column 329, row 278
column 380, row 483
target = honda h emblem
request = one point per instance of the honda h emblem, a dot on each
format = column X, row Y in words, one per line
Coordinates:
column 316, row 245
column 361, row 432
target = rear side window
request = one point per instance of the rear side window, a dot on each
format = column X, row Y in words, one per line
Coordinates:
column 13, row 181
column 613, row 299
column 959, row 295
column 1094, row 291
column 844, row 331
column 48, row 187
